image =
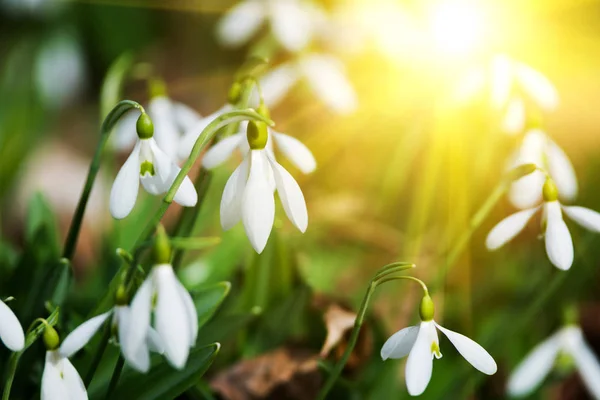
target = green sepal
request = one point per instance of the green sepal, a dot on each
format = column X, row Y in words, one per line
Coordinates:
column 144, row 126
column 427, row 308
column 257, row 135
column 549, row 191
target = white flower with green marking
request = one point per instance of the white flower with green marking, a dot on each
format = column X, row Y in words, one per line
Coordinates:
column 175, row 318
column 569, row 342
column 248, row 194
column 60, row 380
column 558, row 242
column 420, row 343
column 150, row 165
column 11, row 331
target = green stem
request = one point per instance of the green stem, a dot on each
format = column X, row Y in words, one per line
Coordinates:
column 107, row 127
column 337, row 369
column 114, row 380
column 98, row 356
column 474, row 224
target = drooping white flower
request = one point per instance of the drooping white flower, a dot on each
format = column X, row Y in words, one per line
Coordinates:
column 511, row 83
column 421, row 345
column 121, row 314
column 60, row 380
column 537, row 148
column 291, row 147
column 193, row 132
column 175, row 317
column 293, row 22
column 248, row 194
column 157, row 172
column 171, row 120
column 558, row 242
column 569, row 341
column 325, row 76
column 11, row 332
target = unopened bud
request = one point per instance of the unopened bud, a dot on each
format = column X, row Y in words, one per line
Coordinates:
column 521, row 171
column 426, row 309
column 549, row 191
column 257, row 135
column 144, row 126
column 51, row 339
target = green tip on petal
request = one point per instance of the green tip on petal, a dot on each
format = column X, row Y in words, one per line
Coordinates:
column 426, row 309
column 144, row 126
column 147, row 168
column 257, row 135
column 162, row 247
column 51, row 338
column 549, row 191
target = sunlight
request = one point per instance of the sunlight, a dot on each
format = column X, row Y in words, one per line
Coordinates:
column 457, row 28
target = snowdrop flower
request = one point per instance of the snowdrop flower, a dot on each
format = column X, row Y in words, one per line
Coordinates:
column 421, row 345
column 60, row 380
column 537, row 148
column 248, row 194
column 291, row 147
column 174, row 312
column 570, row 342
column 323, row 73
column 11, row 332
column 193, row 132
column 171, row 120
column 121, row 314
column 511, row 84
column 293, row 22
column 150, row 165
column 559, row 245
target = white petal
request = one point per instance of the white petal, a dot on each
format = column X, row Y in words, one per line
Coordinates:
column 11, row 331
column 221, row 151
column 562, row 172
column 420, row 361
column 82, row 335
column 514, row 117
column 171, row 319
column 231, row 201
column 502, row 78
column 291, row 24
column 534, row 368
column 190, row 309
column 471, row 351
column 138, row 359
column 587, row 365
column 326, row 77
column 291, row 196
column 53, row 385
column 527, row 191
column 73, row 382
column 276, row 83
column 296, row 152
column 538, row 87
column 167, row 170
column 508, row 228
column 139, row 323
column 166, row 133
column 154, row 341
column 400, row 343
column 585, row 217
column 125, row 136
column 241, row 22
column 125, row 188
column 121, row 319
column 258, row 204
column 185, row 117
column 559, row 245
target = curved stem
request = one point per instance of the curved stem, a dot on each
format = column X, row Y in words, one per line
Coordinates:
column 395, row 278
column 107, row 127
column 337, row 369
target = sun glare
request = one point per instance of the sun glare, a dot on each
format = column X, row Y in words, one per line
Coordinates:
column 458, row 28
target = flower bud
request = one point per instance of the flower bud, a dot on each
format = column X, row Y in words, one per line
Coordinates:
column 549, row 191
column 162, row 247
column 121, row 298
column 144, row 126
column 426, row 309
column 51, row 339
column 257, row 135
column 521, row 171
column 235, row 92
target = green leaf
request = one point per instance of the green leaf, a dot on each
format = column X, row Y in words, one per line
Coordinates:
column 194, row 243
column 162, row 381
column 225, row 326
column 40, row 216
column 208, row 300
